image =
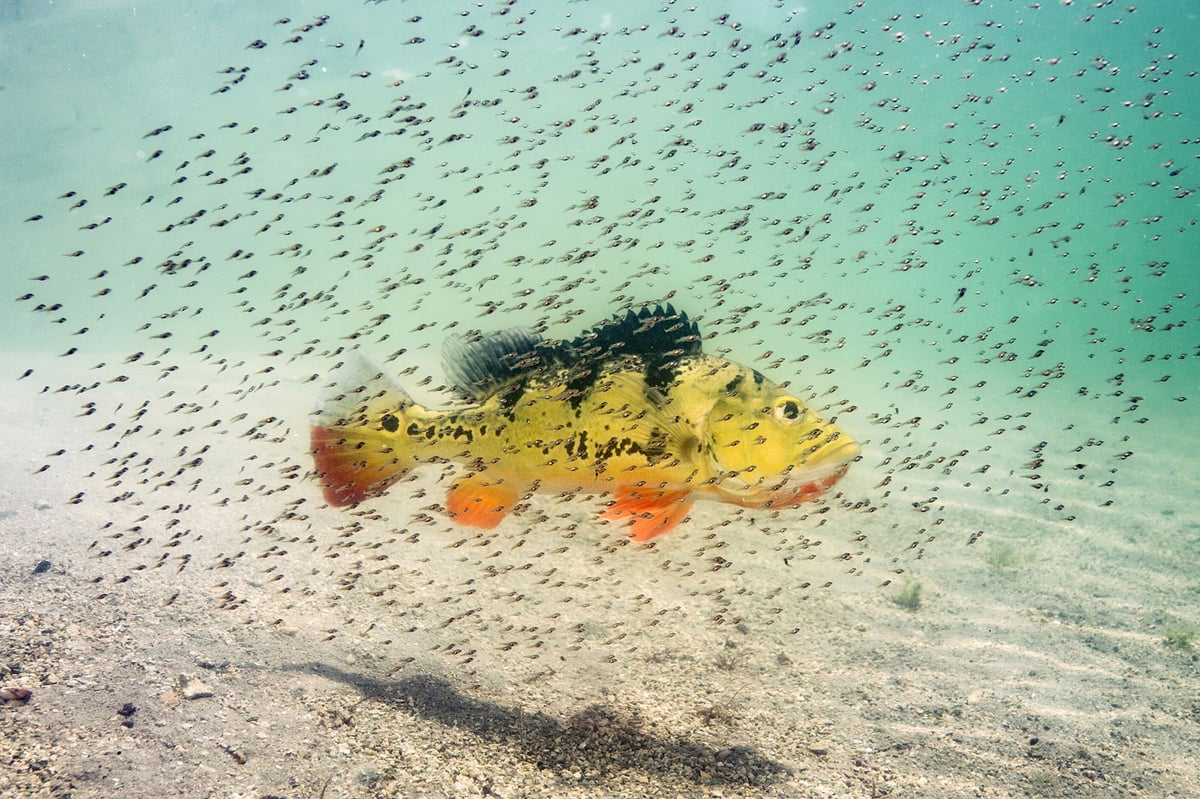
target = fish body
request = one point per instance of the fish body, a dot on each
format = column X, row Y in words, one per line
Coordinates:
column 633, row 409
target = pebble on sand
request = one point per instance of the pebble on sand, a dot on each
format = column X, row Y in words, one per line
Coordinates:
column 191, row 687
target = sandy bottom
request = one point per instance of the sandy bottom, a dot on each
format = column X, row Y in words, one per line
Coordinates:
column 1044, row 660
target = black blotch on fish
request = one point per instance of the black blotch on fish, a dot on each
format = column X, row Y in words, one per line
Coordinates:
column 499, row 362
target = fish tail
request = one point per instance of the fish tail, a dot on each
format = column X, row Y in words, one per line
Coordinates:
column 360, row 443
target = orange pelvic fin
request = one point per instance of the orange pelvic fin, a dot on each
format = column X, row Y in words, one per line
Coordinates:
column 647, row 513
column 476, row 503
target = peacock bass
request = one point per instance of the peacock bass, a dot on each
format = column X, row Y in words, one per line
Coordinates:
column 632, row 408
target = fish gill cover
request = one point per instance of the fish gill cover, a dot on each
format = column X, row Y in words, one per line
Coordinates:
column 964, row 232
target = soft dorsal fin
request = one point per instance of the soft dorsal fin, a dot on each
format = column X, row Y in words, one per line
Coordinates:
column 478, row 367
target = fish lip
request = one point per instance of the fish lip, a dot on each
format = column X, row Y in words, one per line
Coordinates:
column 842, row 456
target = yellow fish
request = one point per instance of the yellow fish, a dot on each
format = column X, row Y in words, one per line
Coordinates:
column 632, row 408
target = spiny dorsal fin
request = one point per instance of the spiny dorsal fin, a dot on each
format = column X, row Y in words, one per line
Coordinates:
column 659, row 333
column 658, row 338
column 479, row 367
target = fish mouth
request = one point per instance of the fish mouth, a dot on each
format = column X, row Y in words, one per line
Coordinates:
column 803, row 484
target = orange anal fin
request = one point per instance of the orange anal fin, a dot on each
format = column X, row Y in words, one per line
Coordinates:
column 647, row 514
column 478, row 504
column 351, row 470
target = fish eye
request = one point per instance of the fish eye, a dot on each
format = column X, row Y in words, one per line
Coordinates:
column 788, row 411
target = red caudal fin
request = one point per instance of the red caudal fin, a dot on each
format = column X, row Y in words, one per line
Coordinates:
column 647, row 513
column 359, row 441
column 353, row 463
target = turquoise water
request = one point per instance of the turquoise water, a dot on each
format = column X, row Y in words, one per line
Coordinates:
column 966, row 231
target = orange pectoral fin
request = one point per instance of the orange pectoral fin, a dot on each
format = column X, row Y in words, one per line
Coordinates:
column 647, row 514
column 475, row 503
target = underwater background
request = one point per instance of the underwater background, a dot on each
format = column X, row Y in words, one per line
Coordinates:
column 966, row 231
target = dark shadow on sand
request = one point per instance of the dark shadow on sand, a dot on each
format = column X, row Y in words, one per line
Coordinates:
column 596, row 742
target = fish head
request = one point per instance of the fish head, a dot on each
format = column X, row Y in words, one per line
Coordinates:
column 768, row 448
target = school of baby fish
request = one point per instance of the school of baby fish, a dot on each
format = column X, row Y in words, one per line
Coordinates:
column 960, row 240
